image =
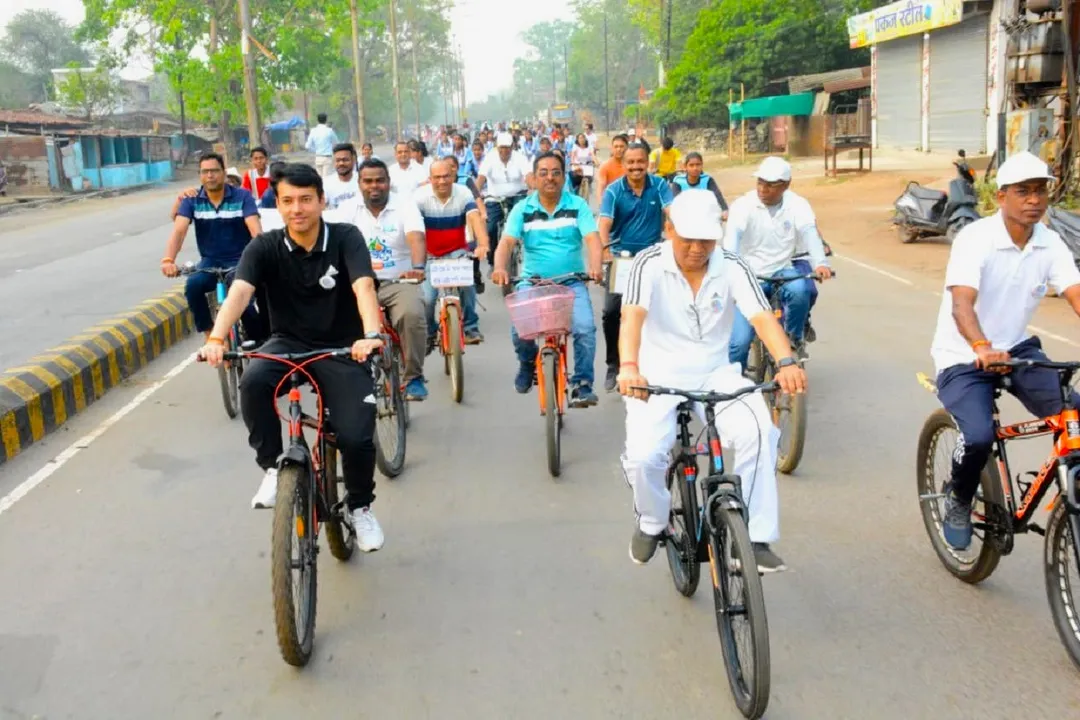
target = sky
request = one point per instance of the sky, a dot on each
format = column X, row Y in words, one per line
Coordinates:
column 488, row 32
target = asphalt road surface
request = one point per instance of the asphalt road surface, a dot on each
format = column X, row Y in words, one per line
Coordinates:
column 66, row 268
column 137, row 581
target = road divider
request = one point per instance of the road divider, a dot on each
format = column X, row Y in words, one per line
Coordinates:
column 41, row 395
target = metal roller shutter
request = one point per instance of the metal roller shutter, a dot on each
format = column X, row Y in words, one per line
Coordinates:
column 899, row 93
column 958, row 86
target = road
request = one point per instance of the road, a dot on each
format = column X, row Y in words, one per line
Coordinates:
column 69, row 267
column 137, row 579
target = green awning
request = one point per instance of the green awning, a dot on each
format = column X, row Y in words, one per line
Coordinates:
column 775, row 106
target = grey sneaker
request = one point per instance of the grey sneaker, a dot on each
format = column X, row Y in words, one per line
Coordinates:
column 610, row 381
column 643, row 546
column 956, row 525
column 767, row 560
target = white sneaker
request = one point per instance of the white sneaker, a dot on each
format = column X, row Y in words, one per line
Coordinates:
column 267, row 492
column 369, row 536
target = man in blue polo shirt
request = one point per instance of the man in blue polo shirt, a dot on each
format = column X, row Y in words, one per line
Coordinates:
column 553, row 227
column 225, row 219
column 632, row 212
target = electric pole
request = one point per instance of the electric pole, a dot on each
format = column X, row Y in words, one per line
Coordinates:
column 667, row 42
column 607, row 93
column 358, row 83
column 394, row 69
column 461, row 78
column 566, row 73
column 251, row 98
column 415, row 72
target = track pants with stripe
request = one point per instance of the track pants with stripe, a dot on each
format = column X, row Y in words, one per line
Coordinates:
column 744, row 425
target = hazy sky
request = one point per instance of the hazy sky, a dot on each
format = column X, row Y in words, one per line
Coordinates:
column 487, row 30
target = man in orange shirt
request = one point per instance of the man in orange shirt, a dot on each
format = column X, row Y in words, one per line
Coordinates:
column 612, row 169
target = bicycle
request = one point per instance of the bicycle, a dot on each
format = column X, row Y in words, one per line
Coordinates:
column 997, row 518
column 789, row 411
column 311, row 479
column 716, row 531
column 229, row 374
column 391, row 408
column 446, row 275
column 507, row 204
column 545, row 311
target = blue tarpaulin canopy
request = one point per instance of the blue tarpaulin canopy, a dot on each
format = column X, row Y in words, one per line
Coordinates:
column 775, row 106
column 290, row 124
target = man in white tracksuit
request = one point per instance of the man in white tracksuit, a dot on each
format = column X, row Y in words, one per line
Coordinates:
column 677, row 316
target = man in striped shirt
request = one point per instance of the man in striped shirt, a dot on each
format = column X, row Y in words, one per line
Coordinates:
column 447, row 208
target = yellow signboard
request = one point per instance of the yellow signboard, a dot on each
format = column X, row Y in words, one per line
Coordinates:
column 906, row 17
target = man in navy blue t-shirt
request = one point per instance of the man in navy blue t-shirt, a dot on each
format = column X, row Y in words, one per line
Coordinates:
column 225, row 219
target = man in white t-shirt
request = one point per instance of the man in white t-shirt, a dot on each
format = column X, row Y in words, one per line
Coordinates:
column 394, row 232
column 503, row 175
column 999, row 270
column 766, row 227
column 405, row 175
column 342, row 184
column 677, row 316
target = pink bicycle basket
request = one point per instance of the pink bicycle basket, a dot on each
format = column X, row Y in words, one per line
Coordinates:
column 541, row 310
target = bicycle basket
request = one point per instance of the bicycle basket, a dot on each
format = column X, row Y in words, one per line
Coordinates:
column 541, row 310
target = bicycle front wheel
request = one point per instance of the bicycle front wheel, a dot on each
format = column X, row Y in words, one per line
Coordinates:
column 389, row 423
column 755, row 362
column 682, row 543
column 1063, row 578
column 293, row 566
column 514, row 268
column 740, row 611
column 789, row 416
column 453, row 357
column 229, row 379
column 549, row 367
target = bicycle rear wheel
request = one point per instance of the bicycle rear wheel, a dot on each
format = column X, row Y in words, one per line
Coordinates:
column 389, row 422
column 340, row 538
column 1063, row 586
column 933, row 469
column 457, row 371
column 293, row 565
column 682, row 542
column 789, row 416
column 549, row 362
column 741, row 620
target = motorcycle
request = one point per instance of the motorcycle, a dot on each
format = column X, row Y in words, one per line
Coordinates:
column 923, row 212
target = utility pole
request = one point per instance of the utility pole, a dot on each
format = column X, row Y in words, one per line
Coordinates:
column 415, row 72
column 566, row 72
column 461, row 78
column 445, row 108
column 394, row 69
column 607, row 93
column 358, row 82
column 251, row 98
column 667, row 42
column 554, row 90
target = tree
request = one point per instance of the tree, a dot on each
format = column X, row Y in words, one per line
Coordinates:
column 37, row 41
column 17, row 88
column 93, row 92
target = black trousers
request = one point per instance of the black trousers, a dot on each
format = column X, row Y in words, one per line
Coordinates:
column 610, row 319
column 345, row 386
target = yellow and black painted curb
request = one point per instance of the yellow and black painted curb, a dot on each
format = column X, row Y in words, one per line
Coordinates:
column 40, row 395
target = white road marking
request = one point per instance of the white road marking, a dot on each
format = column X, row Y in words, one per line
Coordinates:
column 24, row 488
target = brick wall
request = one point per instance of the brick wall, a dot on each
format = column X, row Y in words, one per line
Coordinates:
column 27, row 164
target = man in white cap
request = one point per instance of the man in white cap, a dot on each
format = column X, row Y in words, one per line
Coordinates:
column 503, row 175
column 664, row 341
column 768, row 227
column 999, row 269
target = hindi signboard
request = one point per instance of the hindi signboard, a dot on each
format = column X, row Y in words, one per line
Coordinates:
column 898, row 19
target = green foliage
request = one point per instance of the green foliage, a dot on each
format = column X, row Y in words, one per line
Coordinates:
column 34, row 42
column 17, row 88
column 91, row 92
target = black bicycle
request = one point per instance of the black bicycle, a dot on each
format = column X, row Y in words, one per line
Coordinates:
column 715, row 530
column 310, row 494
column 229, row 374
column 789, row 412
column 507, row 204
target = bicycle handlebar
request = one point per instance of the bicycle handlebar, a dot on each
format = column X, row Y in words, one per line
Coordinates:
column 191, row 269
column 1048, row 364
column 709, row 397
column 806, row 276
column 288, row 357
column 555, row 280
column 401, row 281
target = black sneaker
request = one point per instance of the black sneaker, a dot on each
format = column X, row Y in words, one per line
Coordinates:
column 809, row 333
column 583, row 396
column 767, row 560
column 643, row 546
column 611, row 380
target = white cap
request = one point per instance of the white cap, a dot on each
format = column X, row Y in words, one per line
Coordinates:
column 236, row 172
column 631, row 132
column 504, row 139
column 774, row 169
column 696, row 216
column 1020, row 167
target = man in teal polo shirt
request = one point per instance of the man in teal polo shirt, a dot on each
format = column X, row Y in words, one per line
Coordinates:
column 556, row 230
column 631, row 212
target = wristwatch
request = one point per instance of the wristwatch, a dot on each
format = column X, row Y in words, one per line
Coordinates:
column 787, row 362
column 372, row 336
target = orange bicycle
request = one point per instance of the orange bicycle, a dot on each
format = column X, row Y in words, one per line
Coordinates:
column 446, row 276
column 996, row 517
column 545, row 311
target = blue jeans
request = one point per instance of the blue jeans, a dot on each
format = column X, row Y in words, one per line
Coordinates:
column 195, row 290
column 795, row 297
column 471, row 321
column 803, row 266
column 582, row 331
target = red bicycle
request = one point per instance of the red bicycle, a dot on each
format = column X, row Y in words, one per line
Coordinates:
column 392, row 410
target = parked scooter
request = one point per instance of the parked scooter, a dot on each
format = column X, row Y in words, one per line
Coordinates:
column 1067, row 225
column 923, row 212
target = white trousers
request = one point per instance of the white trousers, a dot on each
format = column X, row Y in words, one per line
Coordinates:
column 744, row 425
column 324, row 165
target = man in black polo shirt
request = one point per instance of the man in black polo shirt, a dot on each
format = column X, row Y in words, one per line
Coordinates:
column 320, row 289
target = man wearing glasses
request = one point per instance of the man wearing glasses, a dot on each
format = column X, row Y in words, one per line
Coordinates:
column 677, row 317
column 767, row 227
column 225, row 219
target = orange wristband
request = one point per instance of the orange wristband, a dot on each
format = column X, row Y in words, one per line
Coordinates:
column 215, row 341
column 980, row 343
column 167, row 260
column 628, row 364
